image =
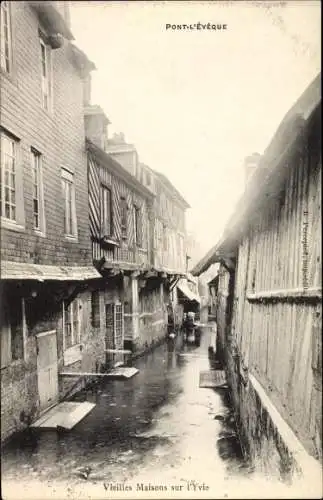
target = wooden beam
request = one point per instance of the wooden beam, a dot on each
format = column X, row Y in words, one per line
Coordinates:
column 118, row 351
column 312, row 294
column 83, row 374
column 113, row 272
column 229, row 264
column 151, row 274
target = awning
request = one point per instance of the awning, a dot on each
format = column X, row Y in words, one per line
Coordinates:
column 24, row 271
column 188, row 293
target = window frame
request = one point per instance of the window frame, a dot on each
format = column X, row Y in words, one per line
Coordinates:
column 124, row 217
column 6, row 331
column 7, row 69
column 68, row 308
column 11, row 172
column 137, row 218
column 103, row 221
column 67, row 179
column 18, row 223
column 165, row 238
column 46, row 80
column 37, row 157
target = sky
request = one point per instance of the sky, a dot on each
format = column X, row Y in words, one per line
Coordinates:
column 196, row 103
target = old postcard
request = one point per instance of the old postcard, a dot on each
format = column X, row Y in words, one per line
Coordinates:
column 161, row 258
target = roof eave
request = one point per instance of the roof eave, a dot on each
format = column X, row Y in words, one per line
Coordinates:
column 51, row 19
column 91, row 110
column 81, row 61
column 287, row 136
column 109, row 162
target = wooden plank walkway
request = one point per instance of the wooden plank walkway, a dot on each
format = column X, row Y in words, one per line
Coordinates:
column 119, row 372
column 213, row 379
column 65, row 415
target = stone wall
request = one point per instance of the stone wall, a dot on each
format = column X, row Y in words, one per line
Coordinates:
column 19, row 380
column 267, row 441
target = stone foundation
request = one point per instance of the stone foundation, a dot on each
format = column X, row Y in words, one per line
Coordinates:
column 266, row 439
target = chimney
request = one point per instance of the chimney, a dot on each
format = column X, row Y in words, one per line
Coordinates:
column 250, row 164
column 67, row 13
column 96, row 125
column 63, row 7
column 118, row 138
column 123, row 153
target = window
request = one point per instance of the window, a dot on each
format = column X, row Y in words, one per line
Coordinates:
column 46, row 72
column 148, row 178
column 12, row 329
column 38, row 200
column 106, row 211
column 8, row 177
column 68, row 191
column 114, row 326
column 124, row 216
column 119, row 326
column 5, row 34
column 95, row 309
column 72, row 324
column 165, row 238
column 137, row 226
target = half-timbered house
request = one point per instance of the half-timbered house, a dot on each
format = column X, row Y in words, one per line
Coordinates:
column 167, row 230
column 132, row 295
column 269, row 297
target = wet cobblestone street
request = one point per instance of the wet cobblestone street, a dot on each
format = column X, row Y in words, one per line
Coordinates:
column 146, row 435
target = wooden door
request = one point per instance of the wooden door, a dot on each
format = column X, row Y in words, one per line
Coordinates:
column 47, row 370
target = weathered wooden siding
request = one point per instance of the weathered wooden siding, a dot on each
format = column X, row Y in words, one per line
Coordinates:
column 221, row 312
column 126, row 250
column 169, row 231
column 277, row 304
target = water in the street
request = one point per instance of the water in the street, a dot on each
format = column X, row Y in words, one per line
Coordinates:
column 155, row 435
